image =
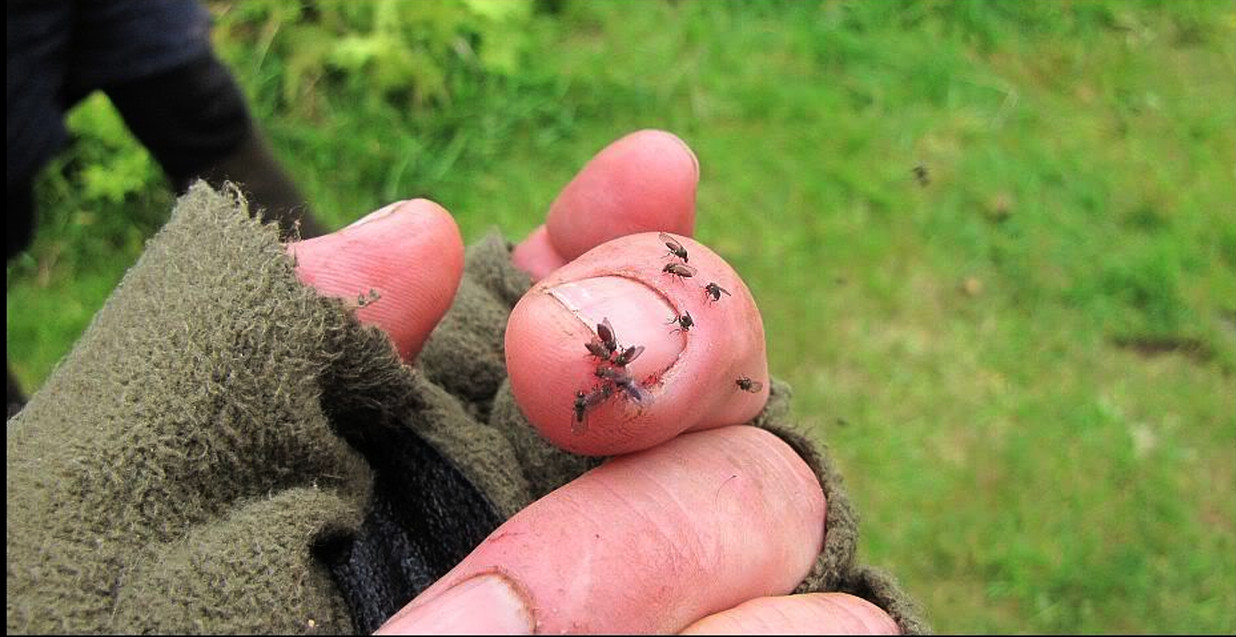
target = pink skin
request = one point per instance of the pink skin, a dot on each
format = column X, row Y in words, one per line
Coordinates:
column 691, row 374
column 644, row 181
column 723, row 502
column 721, row 516
column 409, row 252
column 809, row 614
column 536, row 255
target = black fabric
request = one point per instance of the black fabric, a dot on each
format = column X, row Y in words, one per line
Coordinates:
column 189, row 118
column 20, row 218
column 20, row 222
column 152, row 58
column 37, row 35
column 254, row 169
column 58, row 51
column 14, row 397
column 424, row 517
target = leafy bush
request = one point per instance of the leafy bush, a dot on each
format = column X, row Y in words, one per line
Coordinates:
column 99, row 198
column 112, row 164
column 407, row 53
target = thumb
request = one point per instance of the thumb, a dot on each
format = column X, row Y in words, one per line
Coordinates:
column 644, row 181
column 409, row 254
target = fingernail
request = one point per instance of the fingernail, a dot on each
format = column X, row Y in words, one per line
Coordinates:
column 485, row 604
column 380, row 213
column 638, row 314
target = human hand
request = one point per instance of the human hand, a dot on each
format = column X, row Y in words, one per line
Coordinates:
column 702, row 525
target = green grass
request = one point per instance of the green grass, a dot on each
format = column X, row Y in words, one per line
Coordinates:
column 1024, row 368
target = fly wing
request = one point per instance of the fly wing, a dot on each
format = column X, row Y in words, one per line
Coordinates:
column 611, row 374
column 670, row 242
column 598, row 396
column 630, row 354
column 579, row 414
column 681, row 269
column 606, row 332
column 597, row 348
column 639, row 395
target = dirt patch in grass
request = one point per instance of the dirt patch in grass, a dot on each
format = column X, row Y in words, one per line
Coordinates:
column 1150, row 346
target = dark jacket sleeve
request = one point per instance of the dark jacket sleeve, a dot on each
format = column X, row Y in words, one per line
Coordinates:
column 224, row 450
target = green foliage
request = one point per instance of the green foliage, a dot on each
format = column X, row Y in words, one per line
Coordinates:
column 402, row 91
column 1023, row 368
column 408, row 53
column 113, row 165
column 98, row 200
column 1149, row 283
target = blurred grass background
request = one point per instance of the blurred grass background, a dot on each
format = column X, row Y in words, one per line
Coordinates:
column 1024, row 366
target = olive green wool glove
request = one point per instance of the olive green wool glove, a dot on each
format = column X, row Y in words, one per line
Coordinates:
column 225, row 450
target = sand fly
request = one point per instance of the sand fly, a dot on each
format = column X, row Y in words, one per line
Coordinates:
column 626, row 383
column 581, row 406
column 748, row 385
column 637, row 394
column 598, row 349
column 921, row 174
column 714, row 291
column 584, row 402
column 612, row 374
column 675, row 248
column 680, row 270
column 604, row 346
column 606, row 332
column 684, row 321
column 629, row 354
